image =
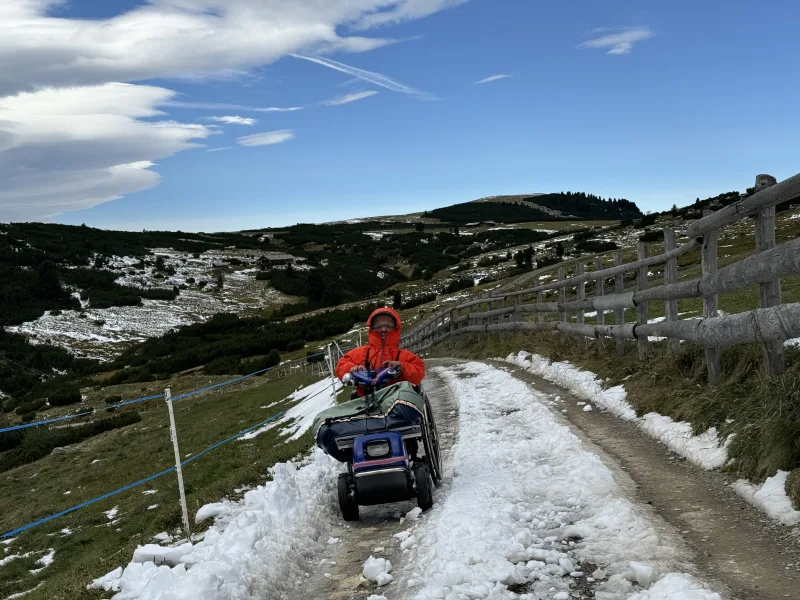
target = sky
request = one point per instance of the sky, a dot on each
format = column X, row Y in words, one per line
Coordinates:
column 212, row 115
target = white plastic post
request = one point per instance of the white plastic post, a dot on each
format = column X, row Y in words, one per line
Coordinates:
column 173, row 434
column 333, row 375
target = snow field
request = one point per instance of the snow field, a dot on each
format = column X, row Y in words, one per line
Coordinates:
column 526, row 505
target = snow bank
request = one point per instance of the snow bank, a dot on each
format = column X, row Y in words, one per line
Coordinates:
column 770, row 497
column 527, row 504
column 705, row 450
column 258, row 547
column 312, row 400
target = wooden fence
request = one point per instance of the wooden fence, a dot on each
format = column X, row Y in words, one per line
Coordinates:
column 770, row 325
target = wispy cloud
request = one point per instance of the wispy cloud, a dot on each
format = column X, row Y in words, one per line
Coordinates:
column 220, row 149
column 350, row 98
column 218, row 106
column 266, row 138
column 277, row 109
column 233, row 120
column 369, row 76
column 493, row 78
column 619, row 40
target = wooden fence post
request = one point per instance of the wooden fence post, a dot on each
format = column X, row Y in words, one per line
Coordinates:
column 540, row 314
column 619, row 313
column 709, row 262
column 562, row 299
column 641, row 308
column 671, row 276
column 517, row 302
column 770, row 291
column 580, row 295
column 599, row 291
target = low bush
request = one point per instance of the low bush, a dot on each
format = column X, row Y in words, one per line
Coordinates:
column 39, row 442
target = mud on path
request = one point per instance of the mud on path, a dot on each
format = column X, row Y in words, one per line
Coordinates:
column 338, row 576
column 733, row 543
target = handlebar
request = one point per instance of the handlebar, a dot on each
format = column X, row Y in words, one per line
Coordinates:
column 371, row 379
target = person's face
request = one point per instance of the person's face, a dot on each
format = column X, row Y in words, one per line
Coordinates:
column 383, row 324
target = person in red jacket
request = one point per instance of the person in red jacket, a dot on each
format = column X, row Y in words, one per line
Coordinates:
column 383, row 350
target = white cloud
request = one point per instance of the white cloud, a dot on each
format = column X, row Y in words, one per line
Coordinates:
column 220, row 149
column 267, row 138
column 233, row 120
column 71, row 148
column 493, row 78
column 369, row 76
column 277, row 109
column 350, row 98
column 193, row 39
column 619, row 40
column 71, row 136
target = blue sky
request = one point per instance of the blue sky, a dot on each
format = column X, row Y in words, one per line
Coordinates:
column 655, row 102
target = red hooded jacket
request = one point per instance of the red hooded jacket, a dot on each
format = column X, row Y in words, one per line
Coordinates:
column 377, row 352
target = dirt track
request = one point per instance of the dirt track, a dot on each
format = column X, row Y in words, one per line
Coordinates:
column 733, row 543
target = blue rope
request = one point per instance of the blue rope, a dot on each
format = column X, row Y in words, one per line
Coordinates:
column 129, row 402
column 77, row 415
column 19, row 530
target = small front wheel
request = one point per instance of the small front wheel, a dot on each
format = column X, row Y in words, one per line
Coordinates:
column 347, row 504
column 424, row 487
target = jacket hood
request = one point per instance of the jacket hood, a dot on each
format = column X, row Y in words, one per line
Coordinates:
column 392, row 337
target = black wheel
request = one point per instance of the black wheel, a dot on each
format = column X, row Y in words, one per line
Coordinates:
column 347, row 504
column 430, row 439
column 424, row 487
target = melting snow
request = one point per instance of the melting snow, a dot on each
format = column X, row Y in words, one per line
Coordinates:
column 770, row 497
column 705, row 450
column 522, row 488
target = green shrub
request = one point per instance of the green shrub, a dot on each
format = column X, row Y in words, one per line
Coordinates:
column 40, row 442
column 225, row 365
column 65, row 396
column 653, row 235
column 295, row 345
column 113, row 399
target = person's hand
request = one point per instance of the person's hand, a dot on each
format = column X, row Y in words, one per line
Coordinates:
column 358, row 368
column 394, row 364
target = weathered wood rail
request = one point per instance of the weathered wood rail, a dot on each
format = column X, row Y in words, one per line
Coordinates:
column 769, row 325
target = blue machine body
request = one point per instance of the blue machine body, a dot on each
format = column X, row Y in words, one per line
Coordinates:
column 395, row 457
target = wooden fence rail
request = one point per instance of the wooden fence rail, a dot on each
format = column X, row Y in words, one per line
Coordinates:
column 769, row 325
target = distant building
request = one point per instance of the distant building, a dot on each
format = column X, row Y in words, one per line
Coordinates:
column 481, row 224
column 268, row 261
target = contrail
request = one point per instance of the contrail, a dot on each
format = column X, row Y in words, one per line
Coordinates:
column 371, row 77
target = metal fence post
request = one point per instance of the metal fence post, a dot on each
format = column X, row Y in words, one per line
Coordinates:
column 173, row 434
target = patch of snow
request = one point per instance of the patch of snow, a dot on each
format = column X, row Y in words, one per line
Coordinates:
column 25, row 593
column 522, row 487
column 310, row 401
column 149, row 492
column 257, row 548
column 45, row 561
column 152, row 507
column 588, row 408
column 770, row 497
column 675, row 586
column 377, row 570
column 112, row 513
column 705, row 450
column 794, row 342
